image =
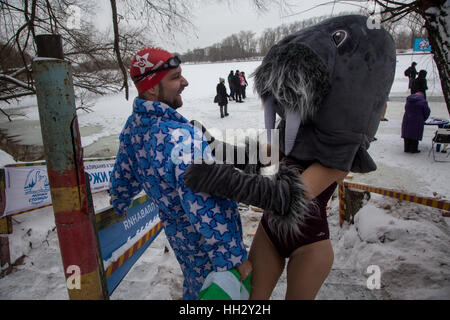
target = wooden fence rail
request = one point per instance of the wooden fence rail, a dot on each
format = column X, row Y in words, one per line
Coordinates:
column 426, row 201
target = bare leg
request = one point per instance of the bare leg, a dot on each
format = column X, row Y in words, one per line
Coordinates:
column 267, row 265
column 307, row 269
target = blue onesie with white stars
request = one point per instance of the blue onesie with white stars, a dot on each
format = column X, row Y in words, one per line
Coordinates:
column 157, row 145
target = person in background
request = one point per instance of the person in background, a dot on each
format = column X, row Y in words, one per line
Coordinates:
column 237, row 86
column 222, row 97
column 420, row 84
column 416, row 112
column 411, row 73
column 231, row 85
column 204, row 230
column 244, row 84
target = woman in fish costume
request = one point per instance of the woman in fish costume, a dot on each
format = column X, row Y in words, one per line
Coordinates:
column 328, row 83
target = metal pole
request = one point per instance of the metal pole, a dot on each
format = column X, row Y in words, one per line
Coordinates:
column 49, row 46
column 64, row 159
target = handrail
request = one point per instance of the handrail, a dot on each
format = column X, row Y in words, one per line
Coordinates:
column 426, row 201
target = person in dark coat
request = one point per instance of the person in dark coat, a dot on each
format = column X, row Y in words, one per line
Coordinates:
column 416, row 112
column 420, row 84
column 231, row 85
column 222, row 96
column 411, row 73
column 237, row 86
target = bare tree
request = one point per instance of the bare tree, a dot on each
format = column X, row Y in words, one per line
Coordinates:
column 98, row 57
column 436, row 17
column 117, row 47
column 22, row 20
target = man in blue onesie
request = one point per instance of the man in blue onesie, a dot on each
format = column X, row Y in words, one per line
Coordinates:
column 157, row 145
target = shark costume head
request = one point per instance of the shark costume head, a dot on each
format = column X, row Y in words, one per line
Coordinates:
column 329, row 84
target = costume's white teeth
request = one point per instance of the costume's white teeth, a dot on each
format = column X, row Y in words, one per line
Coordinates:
column 269, row 117
column 293, row 119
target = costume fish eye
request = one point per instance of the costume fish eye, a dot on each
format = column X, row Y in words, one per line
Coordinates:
column 328, row 83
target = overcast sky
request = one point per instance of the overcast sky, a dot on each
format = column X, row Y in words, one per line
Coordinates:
column 215, row 20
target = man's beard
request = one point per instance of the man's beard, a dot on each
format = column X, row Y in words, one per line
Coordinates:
column 174, row 104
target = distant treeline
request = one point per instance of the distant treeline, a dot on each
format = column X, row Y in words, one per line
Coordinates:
column 245, row 44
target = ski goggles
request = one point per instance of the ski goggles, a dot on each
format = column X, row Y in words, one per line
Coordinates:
column 171, row 63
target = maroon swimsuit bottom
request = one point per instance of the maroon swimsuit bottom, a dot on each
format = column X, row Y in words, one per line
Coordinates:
column 316, row 228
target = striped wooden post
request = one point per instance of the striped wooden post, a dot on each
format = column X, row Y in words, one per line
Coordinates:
column 64, row 159
column 2, row 192
column 426, row 201
column 127, row 254
column 341, row 194
column 5, row 256
column 5, row 225
column 5, row 231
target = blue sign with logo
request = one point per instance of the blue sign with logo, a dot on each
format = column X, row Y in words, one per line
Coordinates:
column 122, row 235
column 37, row 186
column 422, row 44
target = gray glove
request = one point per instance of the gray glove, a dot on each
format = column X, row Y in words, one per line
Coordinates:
column 283, row 194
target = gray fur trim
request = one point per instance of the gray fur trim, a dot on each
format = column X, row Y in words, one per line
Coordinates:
column 293, row 221
column 295, row 76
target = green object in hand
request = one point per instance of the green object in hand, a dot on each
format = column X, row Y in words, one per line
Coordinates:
column 225, row 285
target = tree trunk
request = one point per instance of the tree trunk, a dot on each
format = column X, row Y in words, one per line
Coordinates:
column 354, row 201
column 438, row 27
column 116, row 47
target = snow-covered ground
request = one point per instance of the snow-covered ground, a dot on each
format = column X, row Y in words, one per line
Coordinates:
column 408, row 242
